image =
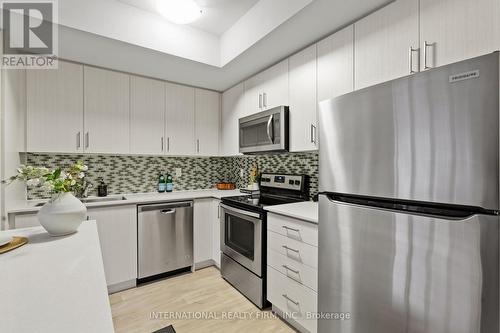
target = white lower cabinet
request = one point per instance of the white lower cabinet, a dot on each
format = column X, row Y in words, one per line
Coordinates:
column 206, row 237
column 216, row 232
column 117, row 228
column 202, row 229
column 17, row 221
column 292, row 270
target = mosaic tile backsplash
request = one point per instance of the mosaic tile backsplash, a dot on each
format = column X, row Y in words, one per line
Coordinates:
column 139, row 174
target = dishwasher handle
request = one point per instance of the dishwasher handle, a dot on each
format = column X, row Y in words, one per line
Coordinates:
column 168, row 211
column 164, row 206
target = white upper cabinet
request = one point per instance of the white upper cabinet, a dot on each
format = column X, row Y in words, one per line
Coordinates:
column 253, row 95
column 180, row 117
column 107, row 111
column 55, row 109
column 456, row 30
column 383, row 41
column 233, row 108
column 267, row 89
column 303, row 101
column 275, row 85
column 147, row 116
column 336, row 64
column 207, row 122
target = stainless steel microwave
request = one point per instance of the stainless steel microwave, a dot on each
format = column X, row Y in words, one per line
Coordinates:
column 264, row 131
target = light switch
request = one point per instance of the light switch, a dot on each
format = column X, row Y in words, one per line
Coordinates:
column 178, row 172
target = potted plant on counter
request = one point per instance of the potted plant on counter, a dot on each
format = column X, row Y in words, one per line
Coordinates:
column 253, row 179
column 63, row 213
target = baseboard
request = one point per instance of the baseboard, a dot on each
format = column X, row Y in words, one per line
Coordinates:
column 289, row 321
column 203, row 264
column 121, row 286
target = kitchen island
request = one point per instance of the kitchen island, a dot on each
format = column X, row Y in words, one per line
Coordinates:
column 54, row 284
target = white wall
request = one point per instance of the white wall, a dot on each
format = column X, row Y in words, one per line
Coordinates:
column 260, row 20
column 14, row 134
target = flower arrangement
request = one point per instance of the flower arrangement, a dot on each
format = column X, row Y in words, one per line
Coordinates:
column 254, row 174
column 53, row 180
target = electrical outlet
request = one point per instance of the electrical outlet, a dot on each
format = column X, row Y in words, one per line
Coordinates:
column 242, row 172
column 178, row 172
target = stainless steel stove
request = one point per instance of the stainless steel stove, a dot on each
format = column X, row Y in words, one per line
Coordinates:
column 243, row 232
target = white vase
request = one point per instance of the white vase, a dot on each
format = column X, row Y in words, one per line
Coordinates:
column 62, row 215
column 253, row 186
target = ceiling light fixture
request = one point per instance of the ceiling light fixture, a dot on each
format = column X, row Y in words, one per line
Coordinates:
column 179, row 11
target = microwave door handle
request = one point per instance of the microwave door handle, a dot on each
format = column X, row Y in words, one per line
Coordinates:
column 269, row 128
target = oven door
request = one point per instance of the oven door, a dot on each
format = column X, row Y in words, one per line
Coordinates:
column 241, row 237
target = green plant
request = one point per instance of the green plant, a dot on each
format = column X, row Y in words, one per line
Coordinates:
column 55, row 180
column 254, row 174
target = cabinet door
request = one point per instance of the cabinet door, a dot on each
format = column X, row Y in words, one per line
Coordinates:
column 456, row 30
column 275, row 85
column 253, row 98
column 382, row 42
column 107, row 111
column 55, row 109
column 147, row 116
column 202, row 228
column 233, row 107
column 180, row 119
column 117, row 228
column 207, row 122
column 336, row 64
column 216, row 232
column 303, row 100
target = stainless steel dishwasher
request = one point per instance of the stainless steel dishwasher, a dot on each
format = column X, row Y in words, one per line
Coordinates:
column 164, row 238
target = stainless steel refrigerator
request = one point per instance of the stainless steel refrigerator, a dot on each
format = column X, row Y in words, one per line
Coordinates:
column 408, row 211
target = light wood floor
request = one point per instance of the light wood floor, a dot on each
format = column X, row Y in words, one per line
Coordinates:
column 202, row 291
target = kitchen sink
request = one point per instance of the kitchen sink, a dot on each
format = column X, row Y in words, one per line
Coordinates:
column 91, row 200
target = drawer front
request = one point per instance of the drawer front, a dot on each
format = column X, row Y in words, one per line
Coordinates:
column 296, row 251
column 294, row 270
column 293, row 228
column 294, row 299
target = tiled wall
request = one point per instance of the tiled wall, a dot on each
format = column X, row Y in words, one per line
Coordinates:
column 139, row 174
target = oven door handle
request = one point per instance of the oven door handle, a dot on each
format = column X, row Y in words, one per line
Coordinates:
column 240, row 211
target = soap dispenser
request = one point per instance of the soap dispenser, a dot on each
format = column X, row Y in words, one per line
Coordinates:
column 102, row 188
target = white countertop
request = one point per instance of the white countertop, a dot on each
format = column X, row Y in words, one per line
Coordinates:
column 307, row 210
column 54, row 284
column 28, row 206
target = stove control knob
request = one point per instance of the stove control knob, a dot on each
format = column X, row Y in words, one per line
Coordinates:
column 297, row 182
column 290, row 182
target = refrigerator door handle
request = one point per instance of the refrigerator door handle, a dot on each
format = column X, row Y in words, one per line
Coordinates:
column 441, row 211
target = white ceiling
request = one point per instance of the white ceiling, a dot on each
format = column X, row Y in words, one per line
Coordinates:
column 217, row 17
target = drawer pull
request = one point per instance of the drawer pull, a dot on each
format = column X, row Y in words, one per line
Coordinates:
column 290, row 269
column 290, row 249
column 288, row 228
column 289, row 299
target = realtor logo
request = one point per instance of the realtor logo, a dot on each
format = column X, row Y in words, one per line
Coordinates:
column 30, row 34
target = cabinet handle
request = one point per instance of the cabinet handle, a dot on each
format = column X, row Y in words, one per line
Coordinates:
column 260, row 101
column 426, row 45
column 197, row 145
column 290, row 249
column 290, row 269
column 87, row 140
column 313, row 134
column 162, row 144
column 292, row 229
column 168, row 143
column 289, row 299
column 264, row 100
column 410, row 59
column 78, row 141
